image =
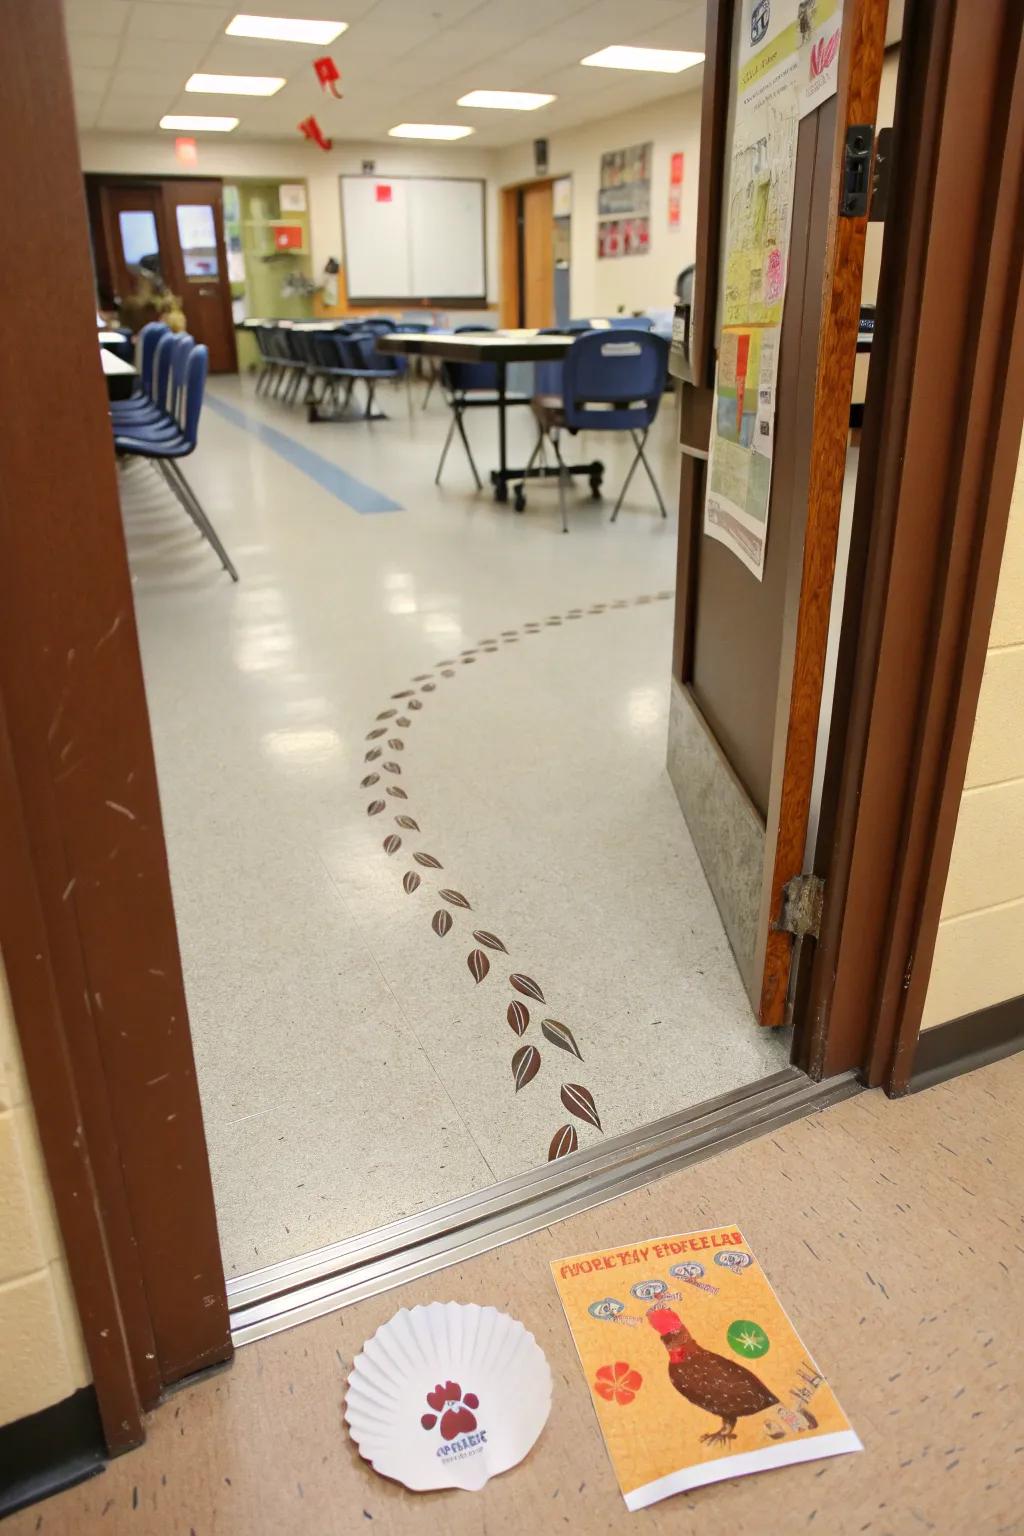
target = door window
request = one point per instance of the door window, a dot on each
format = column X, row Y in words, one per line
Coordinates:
column 197, row 234
column 140, row 241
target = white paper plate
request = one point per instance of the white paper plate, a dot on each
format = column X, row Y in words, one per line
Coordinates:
column 447, row 1396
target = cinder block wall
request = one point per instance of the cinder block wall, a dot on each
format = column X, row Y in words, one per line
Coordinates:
column 43, row 1360
column 979, row 957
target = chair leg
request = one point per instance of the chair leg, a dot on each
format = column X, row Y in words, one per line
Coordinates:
column 650, row 472
column 430, row 391
column 465, row 444
column 625, row 484
column 444, row 450
column 563, row 484
column 370, row 391
column 190, row 501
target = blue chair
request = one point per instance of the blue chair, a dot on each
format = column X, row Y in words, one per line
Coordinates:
column 611, row 382
column 153, row 405
column 469, row 386
column 611, row 323
column 163, row 448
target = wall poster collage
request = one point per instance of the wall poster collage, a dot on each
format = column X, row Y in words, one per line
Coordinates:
column 624, row 202
column 788, row 65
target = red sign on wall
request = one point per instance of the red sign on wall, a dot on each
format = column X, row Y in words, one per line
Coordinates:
column 383, row 192
column 675, row 191
column 288, row 237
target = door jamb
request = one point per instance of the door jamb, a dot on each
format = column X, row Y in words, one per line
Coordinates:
column 942, row 436
column 87, row 923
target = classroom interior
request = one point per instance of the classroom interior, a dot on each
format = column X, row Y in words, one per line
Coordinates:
column 408, row 730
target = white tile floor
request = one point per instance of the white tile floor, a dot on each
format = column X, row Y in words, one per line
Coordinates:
column 352, row 1070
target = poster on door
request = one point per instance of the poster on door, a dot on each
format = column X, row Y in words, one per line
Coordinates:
column 788, row 54
column 624, row 202
column 696, row 1373
column 675, row 190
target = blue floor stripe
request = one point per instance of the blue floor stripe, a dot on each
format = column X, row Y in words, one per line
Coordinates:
column 331, row 477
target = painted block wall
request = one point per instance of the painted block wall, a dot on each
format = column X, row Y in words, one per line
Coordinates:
column 979, row 956
column 43, row 1359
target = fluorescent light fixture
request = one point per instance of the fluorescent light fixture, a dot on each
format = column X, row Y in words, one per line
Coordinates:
column 663, row 61
column 509, row 101
column 235, row 85
column 429, row 131
column 178, row 123
column 286, row 29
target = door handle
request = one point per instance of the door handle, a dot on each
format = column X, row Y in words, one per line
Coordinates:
column 206, row 293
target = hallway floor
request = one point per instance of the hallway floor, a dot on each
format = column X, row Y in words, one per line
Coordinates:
column 413, row 669
column 892, row 1233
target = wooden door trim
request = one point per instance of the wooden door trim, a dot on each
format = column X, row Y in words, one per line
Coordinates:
column 78, row 795
column 943, row 418
column 824, row 461
column 696, row 402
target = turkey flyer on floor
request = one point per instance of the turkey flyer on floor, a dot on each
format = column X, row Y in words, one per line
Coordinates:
column 787, row 64
column 696, row 1373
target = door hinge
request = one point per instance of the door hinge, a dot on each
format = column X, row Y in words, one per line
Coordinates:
column 860, row 139
column 802, row 899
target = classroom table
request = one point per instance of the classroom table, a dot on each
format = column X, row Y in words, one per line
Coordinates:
column 118, row 374
column 499, row 348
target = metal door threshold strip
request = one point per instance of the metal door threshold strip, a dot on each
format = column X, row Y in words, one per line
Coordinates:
column 296, row 1290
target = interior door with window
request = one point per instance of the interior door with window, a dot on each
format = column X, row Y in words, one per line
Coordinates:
column 195, row 209
column 173, row 231
column 750, row 648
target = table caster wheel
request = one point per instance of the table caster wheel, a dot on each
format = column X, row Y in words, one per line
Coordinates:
column 595, row 486
column 519, row 499
column 501, row 492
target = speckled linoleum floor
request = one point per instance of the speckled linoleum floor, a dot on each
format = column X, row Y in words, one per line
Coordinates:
column 352, row 905
column 892, row 1234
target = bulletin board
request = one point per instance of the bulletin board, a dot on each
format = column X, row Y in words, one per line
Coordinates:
column 414, row 237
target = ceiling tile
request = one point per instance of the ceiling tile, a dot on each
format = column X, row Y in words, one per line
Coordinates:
column 137, row 115
column 92, row 50
column 147, row 53
column 86, row 80
column 87, row 106
column 177, row 23
column 107, row 17
column 145, row 82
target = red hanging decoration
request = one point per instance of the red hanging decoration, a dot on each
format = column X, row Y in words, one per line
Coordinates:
column 327, row 74
column 310, row 129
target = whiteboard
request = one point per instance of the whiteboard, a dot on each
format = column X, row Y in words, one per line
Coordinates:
column 413, row 237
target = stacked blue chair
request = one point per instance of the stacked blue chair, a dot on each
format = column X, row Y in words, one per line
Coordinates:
column 165, row 433
column 612, row 381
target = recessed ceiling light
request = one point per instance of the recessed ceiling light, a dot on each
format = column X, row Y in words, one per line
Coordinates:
column 429, row 131
column 178, row 123
column 235, row 85
column 286, row 29
column 511, row 101
column 664, row 61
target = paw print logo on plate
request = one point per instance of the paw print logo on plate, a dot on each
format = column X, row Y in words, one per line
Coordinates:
column 618, row 1383
column 454, row 1408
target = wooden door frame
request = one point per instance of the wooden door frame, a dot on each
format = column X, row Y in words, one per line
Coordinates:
column 508, row 245
column 897, row 751
column 102, row 224
column 942, row 436
column 87, row 924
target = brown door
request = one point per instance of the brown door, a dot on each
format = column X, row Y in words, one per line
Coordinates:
column 195, row 212
column 174, row 230
column 752, row 623
column 538, row 245
column 136, row 236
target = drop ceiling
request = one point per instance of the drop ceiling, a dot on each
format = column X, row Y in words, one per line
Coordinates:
column 400, row 60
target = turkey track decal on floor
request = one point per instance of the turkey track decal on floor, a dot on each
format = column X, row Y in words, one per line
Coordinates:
column 488, row 952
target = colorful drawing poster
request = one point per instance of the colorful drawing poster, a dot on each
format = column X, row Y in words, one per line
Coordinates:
column 788, row 60
column 624, row 202
column 696, row 1373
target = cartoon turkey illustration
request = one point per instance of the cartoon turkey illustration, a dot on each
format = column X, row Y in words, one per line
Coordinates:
column 709, row 1381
